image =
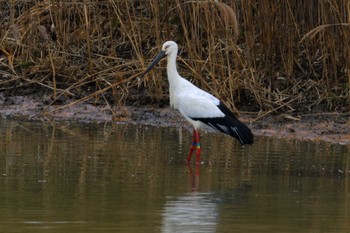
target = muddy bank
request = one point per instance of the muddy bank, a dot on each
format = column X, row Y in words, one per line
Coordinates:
column 330, row 127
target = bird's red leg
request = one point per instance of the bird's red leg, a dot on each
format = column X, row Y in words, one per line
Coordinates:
column 198, row 147
column 193, row 145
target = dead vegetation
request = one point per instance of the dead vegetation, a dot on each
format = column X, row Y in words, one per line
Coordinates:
column 263, row 56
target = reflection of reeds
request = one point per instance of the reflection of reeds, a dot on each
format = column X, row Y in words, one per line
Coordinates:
column 270, row 55
column 133, row 170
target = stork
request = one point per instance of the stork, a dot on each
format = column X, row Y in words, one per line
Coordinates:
column 200, row 108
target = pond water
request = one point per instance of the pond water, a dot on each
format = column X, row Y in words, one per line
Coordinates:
column 60, row 177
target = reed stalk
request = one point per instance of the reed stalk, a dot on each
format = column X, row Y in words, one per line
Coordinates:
column 257, row 55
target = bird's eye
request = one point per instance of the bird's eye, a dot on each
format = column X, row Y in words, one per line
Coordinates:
column 166, row 47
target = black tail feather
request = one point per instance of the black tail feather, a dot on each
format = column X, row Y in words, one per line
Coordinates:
column 230, row 125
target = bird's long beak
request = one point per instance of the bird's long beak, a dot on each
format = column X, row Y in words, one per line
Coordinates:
column 159, row 57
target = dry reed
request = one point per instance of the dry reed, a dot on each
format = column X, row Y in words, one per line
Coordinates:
column 259, row 55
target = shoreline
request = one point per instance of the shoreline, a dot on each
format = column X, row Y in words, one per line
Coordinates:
column 329, row 127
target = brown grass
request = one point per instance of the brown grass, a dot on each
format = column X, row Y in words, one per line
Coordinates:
column 262, row 56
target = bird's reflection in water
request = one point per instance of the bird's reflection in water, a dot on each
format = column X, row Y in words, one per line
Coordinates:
column 194, row 176
column 192, row 212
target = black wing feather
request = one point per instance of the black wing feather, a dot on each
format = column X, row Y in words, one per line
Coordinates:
column 229, row 124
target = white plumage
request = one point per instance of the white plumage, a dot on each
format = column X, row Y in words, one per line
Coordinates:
column 200, row 108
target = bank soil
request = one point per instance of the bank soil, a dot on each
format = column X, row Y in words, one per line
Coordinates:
column 330, row 127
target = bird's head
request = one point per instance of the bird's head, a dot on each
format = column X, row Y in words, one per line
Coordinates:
column 168, row 48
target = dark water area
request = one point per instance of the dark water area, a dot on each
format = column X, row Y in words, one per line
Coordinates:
column 61, row 177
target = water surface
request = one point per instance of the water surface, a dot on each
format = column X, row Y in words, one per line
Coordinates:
column 60, row 177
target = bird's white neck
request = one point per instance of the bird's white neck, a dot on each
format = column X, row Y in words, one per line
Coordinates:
column 173, row 77
column 172, row 72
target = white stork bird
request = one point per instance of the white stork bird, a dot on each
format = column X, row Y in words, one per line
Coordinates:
column 201, row 109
